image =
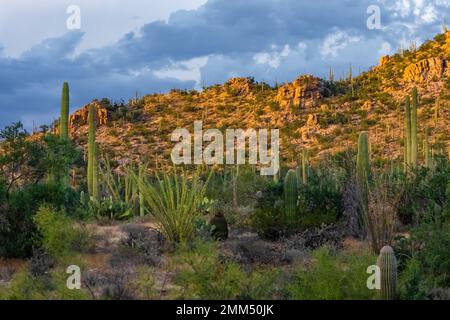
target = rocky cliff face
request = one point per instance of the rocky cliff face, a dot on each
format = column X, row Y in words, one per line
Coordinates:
column 304, row 92
column 80, row 117
column 427, row 70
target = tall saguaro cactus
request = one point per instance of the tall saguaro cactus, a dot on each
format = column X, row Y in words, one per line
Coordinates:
column 95, row 171
column 290, row 197
column 407, row 132
column 363, row 173
column 388, row 266
column 426, row 150
column 91, row 150
column 414, row 145
column 64, row 118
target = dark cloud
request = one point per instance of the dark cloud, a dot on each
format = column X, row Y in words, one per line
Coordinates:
column 272, row 40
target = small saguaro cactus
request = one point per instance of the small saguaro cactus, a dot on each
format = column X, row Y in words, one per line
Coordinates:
column 290, row 196
column 388, row 267
column 64, row 118
column 414, row 145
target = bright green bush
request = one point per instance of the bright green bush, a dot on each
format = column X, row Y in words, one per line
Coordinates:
column 58, row 235
column 333, row 276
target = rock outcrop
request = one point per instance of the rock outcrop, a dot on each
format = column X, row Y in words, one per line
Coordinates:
column 426, row 70
column 240, row 86
column 305, row 92
column 80, row 117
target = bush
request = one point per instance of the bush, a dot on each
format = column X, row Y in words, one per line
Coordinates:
column 204, row 276
column 267, row 218
column 333, row 277
column 17, row 229
column 58, row 235
column 425, row 260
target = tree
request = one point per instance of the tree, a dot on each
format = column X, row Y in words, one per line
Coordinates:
column 20, row 157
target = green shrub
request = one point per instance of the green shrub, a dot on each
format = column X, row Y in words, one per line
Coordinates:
column 333, row 277
column 17, row 229
column 202, row 275
column 58, row 235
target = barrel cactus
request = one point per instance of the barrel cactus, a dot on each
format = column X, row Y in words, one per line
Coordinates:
column 220, row 226
column 388, row 267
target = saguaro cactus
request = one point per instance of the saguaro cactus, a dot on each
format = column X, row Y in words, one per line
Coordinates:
column 95, row 170
column 362, row 164
column 91, row 149
column 388, row 266
column 407, row 132
column 415, row 103
column 426, row 150
column 64, row 118
column 437, row 111
column 290, row 196
column 305, row 166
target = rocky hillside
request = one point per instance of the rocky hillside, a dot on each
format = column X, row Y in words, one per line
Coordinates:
column 321, row 115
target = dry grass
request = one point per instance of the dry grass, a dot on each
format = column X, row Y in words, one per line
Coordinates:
column 381, row 216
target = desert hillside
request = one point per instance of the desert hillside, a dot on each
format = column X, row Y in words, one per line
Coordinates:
column 323, row 115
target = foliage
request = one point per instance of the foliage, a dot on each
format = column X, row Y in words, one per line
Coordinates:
column 204, row 276
column 17, row 229
column 58, row 235
column 332, row 276
column 60, row 154
column 108, row 209
column 20, row 158
column 174, row 201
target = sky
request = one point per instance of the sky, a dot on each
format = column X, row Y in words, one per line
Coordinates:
column 115, row 48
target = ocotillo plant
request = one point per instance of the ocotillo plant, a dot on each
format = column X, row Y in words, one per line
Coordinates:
column 91, row 149
column 407, row 132
column 388, row 267
column 415, row 103
column 363, row 171
column 64, row 118
column 290, row 197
